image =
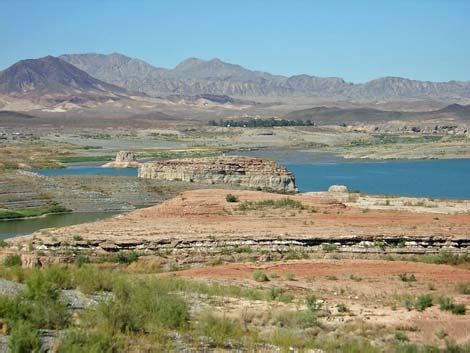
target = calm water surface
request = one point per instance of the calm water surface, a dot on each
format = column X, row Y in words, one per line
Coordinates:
column 88, row 170
column 10, row 229
column 434, row 178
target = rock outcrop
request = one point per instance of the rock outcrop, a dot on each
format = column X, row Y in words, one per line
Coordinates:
column 246, row 172
column 338, row 188
column 124, row 159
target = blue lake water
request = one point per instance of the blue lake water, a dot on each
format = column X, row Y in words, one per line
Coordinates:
column 431, row 178
column 88, row 170
column 14, row 228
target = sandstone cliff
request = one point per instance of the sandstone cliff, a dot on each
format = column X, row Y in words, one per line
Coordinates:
column 246, row 172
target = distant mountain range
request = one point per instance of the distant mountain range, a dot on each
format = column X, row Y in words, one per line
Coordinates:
column 195, row 76
column 335, row 115
column 81, row 78
column 50, row 75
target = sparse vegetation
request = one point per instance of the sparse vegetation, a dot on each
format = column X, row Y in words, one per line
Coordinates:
column 231, row 198
column 423, row 302
column 280, row 203
column 447, row 304
column 12, row 260
column 260, row 276
column 18, row 213
column 404, row 277
column 463, row 288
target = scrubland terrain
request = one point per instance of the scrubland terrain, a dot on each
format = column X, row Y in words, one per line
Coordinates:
column 230, row 270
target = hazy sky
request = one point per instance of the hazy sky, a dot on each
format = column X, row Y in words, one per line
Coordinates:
column 357, row 40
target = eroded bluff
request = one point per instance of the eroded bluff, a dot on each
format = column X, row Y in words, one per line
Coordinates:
column 246, row 172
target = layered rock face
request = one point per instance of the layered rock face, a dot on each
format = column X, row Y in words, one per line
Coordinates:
column 124, row 159
column 247, row 172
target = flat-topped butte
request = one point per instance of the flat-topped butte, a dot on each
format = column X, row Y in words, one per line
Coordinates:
column 246, row 172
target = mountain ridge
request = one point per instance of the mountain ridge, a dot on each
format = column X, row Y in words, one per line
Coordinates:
column 195, row 76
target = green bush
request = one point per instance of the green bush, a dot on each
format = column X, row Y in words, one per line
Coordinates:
column 44, row 306
column 260, row 276
column 312, row 303
column 281, row 295
column 400, row 336
column 125, row 257
column 231, row 198
column 459, row 309
column 3, row 243
column 24, row 338
column 12, row 260
column 138, row 306
column 80, row 260
column 447, row 304
column 423, row 302
column 220, row 330
column 306, row 318
column 78, row 341
column 90, row 279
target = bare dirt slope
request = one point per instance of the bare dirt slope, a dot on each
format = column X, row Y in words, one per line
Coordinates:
column 206, row 215
column 371, row 290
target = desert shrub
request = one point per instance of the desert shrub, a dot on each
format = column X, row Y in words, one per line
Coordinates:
column 24, row 338
column 3, row 243
column 447, row 304
column 459, row 309
column 77, row 341
column 43, row 304
column 90, row 279
column 408, row 303
column 306, row 318
column 12, row 260
column 220, row 330
column 125, row 257
column 329, row 247
column 463, row 288
column 281, row 203
column 350, row 345
column 400, row 336
column 231, row 198
column 260, row 276
column 80, row 260
column 444, row 258
column 312, row 303
column 290, row 276
column 342, row 308
column 423, row 302
column 404, row 277
column 286, row 338
column 280, row 294
column 355, row 278
column 11, row 309
column 139, row 306
column 59, row 276
column 39, row 306
column 295, row 255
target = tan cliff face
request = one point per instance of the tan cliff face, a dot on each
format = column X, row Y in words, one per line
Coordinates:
column 124, row 159
column 246, row 172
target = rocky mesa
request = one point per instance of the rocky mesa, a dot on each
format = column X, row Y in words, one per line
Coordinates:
column 245, row 172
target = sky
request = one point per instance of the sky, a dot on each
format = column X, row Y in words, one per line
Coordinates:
column 356, row 40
